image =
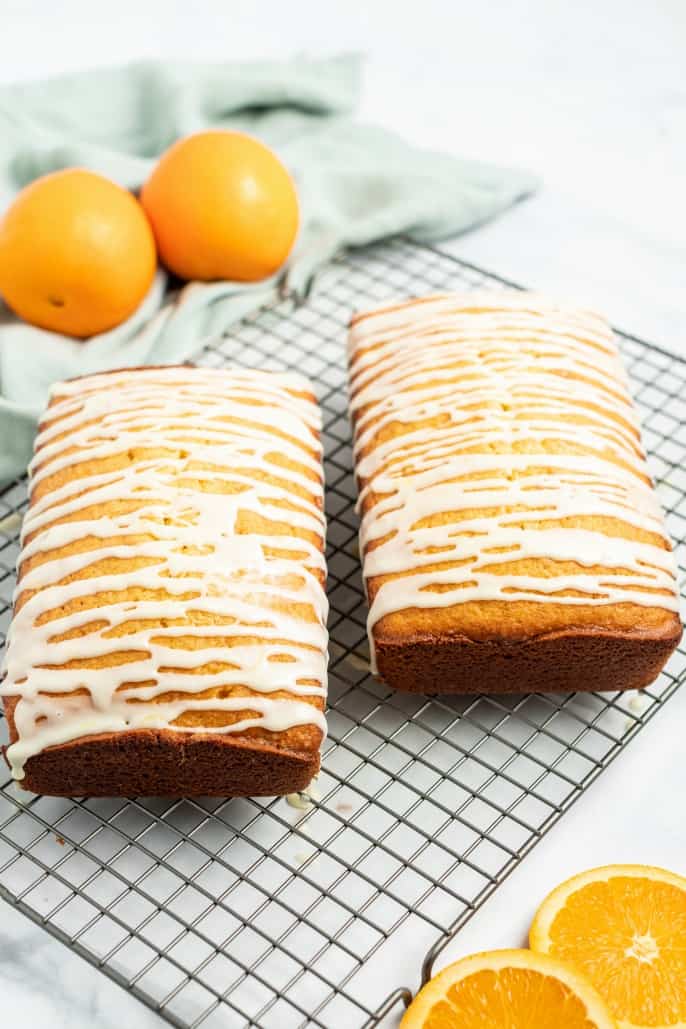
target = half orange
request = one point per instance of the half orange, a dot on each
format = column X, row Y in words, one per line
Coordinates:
column 624, row 928
column 508, row 989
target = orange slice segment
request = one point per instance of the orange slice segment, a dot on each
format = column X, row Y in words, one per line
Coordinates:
column 624, row 928
column 508, row 989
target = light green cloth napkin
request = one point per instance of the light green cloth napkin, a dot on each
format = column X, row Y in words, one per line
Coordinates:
column 356, row 184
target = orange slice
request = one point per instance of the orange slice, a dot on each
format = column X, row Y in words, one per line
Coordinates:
column 508, row 989
column 624, row 928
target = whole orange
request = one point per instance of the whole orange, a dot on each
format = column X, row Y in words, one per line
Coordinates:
column 77, row 254
column 222, row 206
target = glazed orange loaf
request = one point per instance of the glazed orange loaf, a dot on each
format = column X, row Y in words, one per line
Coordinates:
column 511, row 537
column 169, row 627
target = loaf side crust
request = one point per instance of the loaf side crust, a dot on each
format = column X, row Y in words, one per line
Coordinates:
column 164, row 763
column 562, row 662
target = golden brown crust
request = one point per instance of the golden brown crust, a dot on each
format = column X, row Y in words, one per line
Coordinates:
column 252, row 762
column 565, row 661
column 163, row 763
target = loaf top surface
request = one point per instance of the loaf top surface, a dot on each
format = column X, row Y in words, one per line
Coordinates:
column 171, row 573
column 503, row 486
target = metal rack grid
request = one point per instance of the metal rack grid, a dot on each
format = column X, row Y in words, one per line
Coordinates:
column 222, row 913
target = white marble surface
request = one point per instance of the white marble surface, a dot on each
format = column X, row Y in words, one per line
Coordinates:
column 591, row 96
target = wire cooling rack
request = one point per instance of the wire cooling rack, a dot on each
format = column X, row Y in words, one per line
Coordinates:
column 222, row 913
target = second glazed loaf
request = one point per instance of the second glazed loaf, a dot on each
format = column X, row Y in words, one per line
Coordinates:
column 510, row 534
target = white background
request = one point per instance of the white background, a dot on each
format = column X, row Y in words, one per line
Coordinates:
column 591, row 96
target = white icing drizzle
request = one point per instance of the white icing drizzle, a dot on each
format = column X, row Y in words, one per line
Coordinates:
column 242, row 426
column 484, row 383
column 306, row 799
